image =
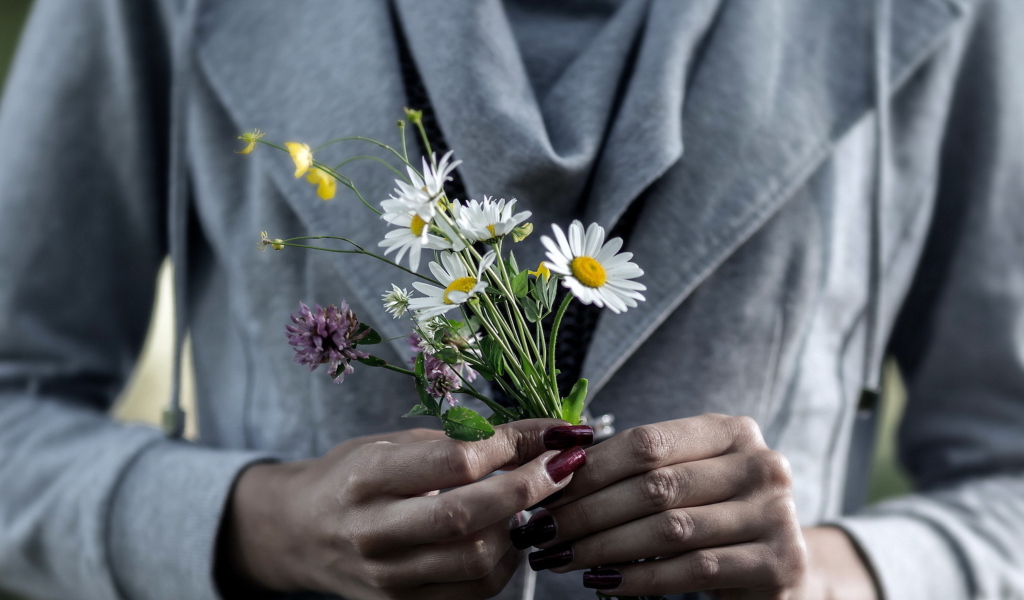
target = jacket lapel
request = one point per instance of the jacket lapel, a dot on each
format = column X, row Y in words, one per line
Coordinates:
column 764, row 110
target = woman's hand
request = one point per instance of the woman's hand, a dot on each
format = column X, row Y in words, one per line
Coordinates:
column 365, row 521
column 705, row 493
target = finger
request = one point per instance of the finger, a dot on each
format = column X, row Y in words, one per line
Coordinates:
column 753, row 566
column 665, row 534
column 486, row 587
column 676, row 486
column 466, row 559
column 649, row 447
column 411, row 469
column 462, row 511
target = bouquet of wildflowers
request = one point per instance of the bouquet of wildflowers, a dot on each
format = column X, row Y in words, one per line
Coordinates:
column 477, row 315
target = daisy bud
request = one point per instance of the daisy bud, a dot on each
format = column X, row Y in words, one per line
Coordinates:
column 415, row 116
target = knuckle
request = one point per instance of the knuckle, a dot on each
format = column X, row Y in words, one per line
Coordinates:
column 477, row 560
column 677, row 527
column 660, row 487
column 376, row 575
column 774, row 469
column 524, row 492
column 746, row 432
column 463, row 462
column 650, row 445
column 782, row 512
column 450, row 518
column 704, row 568
column 364, row 544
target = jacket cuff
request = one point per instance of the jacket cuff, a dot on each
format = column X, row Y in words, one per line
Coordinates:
column 911, row 559
column 165, row 516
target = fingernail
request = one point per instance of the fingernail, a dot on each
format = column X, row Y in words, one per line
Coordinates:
column 549, row 500
column 540, row 529
column 565, row 463
column 567, row 436
column 602, row 579
column 552, row 558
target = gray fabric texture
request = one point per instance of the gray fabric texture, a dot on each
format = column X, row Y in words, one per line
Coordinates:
column 745, row 128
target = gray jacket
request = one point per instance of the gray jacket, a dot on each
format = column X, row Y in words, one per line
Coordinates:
column 756, row 239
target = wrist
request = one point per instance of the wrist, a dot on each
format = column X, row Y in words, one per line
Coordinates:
column 257, row 543
column 836, row 568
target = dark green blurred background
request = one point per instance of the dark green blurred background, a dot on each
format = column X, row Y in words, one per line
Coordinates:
column 12, row 14
column 887, row 478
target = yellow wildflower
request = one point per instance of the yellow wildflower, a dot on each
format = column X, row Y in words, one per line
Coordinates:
column 250, row 139
column 542, row 270
column 302, row 156
column 326, row 184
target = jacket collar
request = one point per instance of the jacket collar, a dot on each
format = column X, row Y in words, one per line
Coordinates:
column 762, row 113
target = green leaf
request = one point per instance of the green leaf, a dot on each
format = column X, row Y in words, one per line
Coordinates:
column 420, row 411
column 521, row 284
column 373, row 361
column 372, row 337
column 421, row 386
column 532, row 310
column 492, row 355
column 449, row 356
column 511, row 265
column 572, row 405
column 464, row 424
column 498, row 419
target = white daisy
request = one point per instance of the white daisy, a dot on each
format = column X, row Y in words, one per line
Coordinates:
column 413, row 234
column 487, row 220
column 460, row 286
column 396, row 302
column 592, row 269
column 421, row 194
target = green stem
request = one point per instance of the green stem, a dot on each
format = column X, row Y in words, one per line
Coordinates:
column 553, row 339
column 345, row 181
column 360, row 251
column 405, row 151
column 365, row 139
column 400, row 174
column 426, row 142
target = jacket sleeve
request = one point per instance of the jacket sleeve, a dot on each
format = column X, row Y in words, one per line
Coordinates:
column 90, row 508
column 960, row 342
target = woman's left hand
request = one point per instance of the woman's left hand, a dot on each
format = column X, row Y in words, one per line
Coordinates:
column 705, row 493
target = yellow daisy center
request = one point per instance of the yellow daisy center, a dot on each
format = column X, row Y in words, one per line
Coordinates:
column 462, row 284
column 491, row 229
column 417, row 225
column 588, row 271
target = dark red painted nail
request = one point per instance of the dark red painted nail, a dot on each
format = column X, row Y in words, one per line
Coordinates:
column 602, row 579
column 552, row 558
column 567, row 436
column 549, row 500
column 540, row 529
column 565, row 462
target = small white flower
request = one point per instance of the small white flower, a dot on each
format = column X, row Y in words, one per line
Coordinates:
column 396, row 302
column 459, row 284
column 592, row 269
column 421, row 194
column 487, row 220
column 413, row 234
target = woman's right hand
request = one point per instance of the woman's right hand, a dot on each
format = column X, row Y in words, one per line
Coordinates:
column 366, row 521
